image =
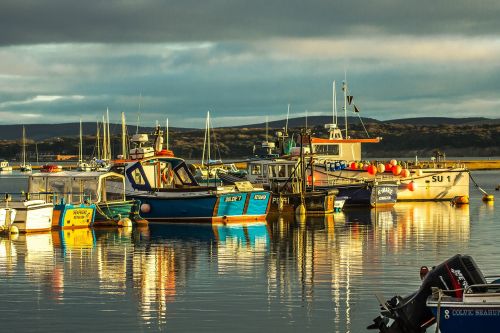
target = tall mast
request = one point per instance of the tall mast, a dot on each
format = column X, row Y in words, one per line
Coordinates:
column 208, row 136
column 124, row 137
column 24, row 146
column 205, row 140
column 104, row 140
column 109, row 135
column 138, row 114
column 334, row 104
column 166, row 133
column 344, row 88
column 287, row 115
column 80, row 148
column 98, row 140
column 267, row 126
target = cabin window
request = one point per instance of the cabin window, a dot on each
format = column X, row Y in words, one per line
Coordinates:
column 137, row 177
column 113, row 189
column 327, row 149
column 37, row 186
column 76, row 191
column 59, row 188
column 183, row 175
column 89, row 189
column 256, row 169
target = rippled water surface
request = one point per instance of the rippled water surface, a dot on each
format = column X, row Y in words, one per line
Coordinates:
column 317, row 275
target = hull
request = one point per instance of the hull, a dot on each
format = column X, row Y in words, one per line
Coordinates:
column 422, row 184
column 316, row 203
column 227, row 207
column 109, row 213
column 69, row 216
column 458, row 318
column 367, row 194
column 436, row 185
column 33, row 216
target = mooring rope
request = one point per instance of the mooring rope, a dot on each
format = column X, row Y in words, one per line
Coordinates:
column 477, row 186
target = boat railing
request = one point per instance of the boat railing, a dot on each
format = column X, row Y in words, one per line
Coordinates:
column 482, row 288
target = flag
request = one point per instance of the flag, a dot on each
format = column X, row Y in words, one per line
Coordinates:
column 356, row 108
column 349, row 99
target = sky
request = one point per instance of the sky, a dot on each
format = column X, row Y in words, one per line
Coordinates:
column 243, row 61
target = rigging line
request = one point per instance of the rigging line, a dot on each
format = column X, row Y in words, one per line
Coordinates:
column 361, row 120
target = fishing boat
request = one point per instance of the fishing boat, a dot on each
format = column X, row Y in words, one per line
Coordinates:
column 85, row 199
column 24, row 167
column 339, row 156
column 5, row 166
column 169, row 192
column 355, row 192
column 33, row 215
column 285, row 179
column 455, row 296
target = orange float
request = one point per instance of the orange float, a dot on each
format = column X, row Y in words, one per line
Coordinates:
column 396, row 170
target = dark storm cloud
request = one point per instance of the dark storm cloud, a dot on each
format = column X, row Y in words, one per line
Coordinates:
column 61, row 21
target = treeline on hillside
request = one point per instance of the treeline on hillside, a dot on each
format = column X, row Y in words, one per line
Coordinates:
column 402, row 140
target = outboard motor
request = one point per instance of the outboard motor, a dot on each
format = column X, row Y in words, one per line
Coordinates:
column 410, row 314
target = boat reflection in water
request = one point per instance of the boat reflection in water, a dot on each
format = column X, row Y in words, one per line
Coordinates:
column 315, row 273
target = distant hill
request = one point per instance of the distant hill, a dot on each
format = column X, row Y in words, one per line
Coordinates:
column 322, row 120
column 443, row 121
column 47, row 131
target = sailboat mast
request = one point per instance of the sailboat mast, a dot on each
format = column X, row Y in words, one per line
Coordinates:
column 208, row 136
column 98, row 140
column 344, row 87
column 80, row 148
column 124, row 137
column 109, row 135
column 287, row 115
column 24, row 146
column 334, row 103
column 166, row 133
column 104, row 145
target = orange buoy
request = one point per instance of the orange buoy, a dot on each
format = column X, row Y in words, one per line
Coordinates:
column 396, row 170
column 405, row 173
column 461, row 200
column 388, row 167
column 412, row 186
column 394, row 162
column 372, row 170
column 353, row 165
column 380, row 167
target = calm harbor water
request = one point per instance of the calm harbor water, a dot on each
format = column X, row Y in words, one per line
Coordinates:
column 317, row 275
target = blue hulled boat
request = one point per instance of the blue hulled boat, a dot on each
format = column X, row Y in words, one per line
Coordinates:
column 477, row 310
column 169, row 192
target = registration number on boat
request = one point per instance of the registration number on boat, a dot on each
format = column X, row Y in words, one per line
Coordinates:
column 233, row 198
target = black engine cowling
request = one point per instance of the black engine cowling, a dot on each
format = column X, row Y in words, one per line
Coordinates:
column 410, row 314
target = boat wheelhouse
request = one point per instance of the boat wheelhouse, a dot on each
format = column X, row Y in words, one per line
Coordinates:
column 82, row 197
